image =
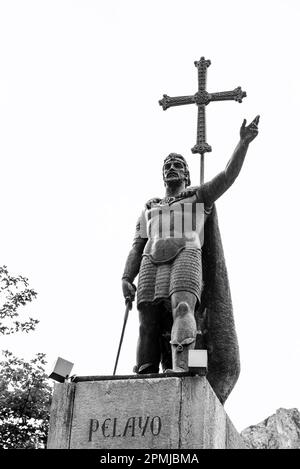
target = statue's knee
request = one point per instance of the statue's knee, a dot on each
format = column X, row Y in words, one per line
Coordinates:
column 182, row 309
column 184, row 316
column 184, row 326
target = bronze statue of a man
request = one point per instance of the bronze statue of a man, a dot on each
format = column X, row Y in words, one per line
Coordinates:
column 183, row 275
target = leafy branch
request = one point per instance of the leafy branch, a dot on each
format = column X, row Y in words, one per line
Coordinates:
column 14, row 292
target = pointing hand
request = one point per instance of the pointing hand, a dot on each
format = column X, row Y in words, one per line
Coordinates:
column 249, row 132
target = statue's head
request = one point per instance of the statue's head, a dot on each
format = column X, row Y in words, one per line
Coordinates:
column 175, row 170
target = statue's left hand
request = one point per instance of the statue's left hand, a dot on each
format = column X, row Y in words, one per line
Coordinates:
column 249, row 132
column 129, row 290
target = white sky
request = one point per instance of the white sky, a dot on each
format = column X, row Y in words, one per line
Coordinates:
column 82, row 143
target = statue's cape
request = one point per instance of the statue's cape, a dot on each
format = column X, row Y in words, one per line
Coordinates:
column 221, row 339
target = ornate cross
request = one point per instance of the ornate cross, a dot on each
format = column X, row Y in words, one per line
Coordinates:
column 201, row 99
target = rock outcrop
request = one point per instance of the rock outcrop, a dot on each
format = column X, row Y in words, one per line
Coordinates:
column 279, row 431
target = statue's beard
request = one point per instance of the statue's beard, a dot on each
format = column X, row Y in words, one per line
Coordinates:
column 174, row 179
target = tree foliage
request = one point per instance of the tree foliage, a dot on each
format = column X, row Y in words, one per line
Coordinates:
column 25, row 397
column 14, row 293
column 24, row 390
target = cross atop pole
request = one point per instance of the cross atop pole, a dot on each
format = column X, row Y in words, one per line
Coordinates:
column 201, row 99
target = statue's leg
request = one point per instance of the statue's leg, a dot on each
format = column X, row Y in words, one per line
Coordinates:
column 184, row 330
column 148, row 348
column 165, row 335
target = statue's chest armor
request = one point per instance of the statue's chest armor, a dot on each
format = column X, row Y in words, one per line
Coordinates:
column 173, row 227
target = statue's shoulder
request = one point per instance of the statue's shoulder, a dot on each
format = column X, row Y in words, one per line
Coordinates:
column 200, row 197
column 151, row 202
column 189, row 192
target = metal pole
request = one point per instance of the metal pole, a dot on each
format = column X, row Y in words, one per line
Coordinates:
column 128, row 303
column 202, row 169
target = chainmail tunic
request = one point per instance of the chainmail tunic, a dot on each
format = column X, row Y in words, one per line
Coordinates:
column 157, row 282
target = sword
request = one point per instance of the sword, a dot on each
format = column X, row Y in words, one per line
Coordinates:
column 128, row 303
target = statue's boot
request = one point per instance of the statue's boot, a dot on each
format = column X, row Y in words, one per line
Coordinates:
column 183, row 336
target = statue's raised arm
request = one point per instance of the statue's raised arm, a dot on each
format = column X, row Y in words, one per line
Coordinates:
column 213, row 189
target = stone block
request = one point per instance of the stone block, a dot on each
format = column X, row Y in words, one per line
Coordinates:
column 149, row 413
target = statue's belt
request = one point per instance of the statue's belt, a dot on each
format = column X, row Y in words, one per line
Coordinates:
column 162, row 251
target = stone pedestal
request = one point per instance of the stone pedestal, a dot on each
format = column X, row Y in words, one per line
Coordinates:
column 150, row 413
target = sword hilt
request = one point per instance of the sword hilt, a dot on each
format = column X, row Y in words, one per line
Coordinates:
column 128, row 302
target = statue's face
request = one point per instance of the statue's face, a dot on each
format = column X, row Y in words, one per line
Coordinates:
column 174, row 171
